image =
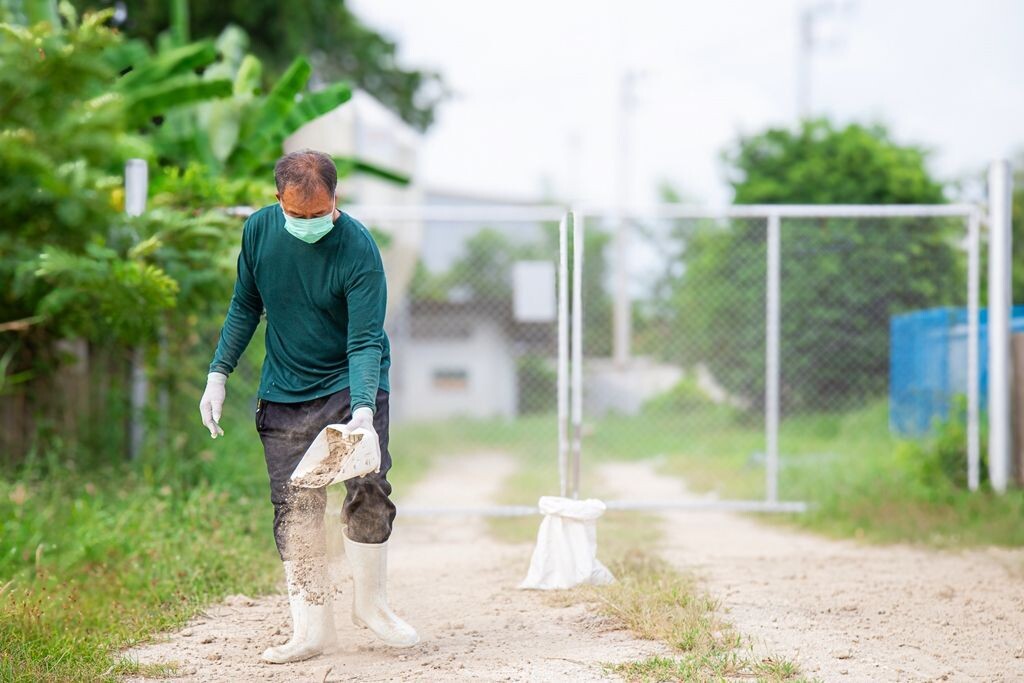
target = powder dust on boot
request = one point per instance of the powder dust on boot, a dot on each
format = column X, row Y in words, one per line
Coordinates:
column 339, row 446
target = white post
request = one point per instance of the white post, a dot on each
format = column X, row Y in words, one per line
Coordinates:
column 999, row 303
column 577, row 349
column 622, row 321
column 973, row 389
column 772, row 367
column 563, row 357
column 136, row 188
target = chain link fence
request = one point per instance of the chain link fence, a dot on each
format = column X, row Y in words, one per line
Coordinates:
column 696, row 380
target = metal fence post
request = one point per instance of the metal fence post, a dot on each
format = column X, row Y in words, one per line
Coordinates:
column 999, row 303
column 136, row 188
column 563, row 357
column 772, row 332
column 973, row 389
column 577, row 349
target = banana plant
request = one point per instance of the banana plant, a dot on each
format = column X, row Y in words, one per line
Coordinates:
column 285, row 109
column 242, row 133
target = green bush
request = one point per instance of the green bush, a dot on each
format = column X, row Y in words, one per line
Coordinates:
column 941, row 459
column 684, row 397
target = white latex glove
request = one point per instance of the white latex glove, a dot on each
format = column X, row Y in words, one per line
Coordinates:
column 212, row 403
column 361, row 417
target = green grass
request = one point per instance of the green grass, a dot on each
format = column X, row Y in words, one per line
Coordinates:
column 97, row 561
column 656, row 602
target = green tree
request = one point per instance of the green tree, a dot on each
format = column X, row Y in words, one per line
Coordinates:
column 339, row 44
column 842, row 279
column 819, row 163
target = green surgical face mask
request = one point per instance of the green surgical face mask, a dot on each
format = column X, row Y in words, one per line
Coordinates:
column 309, row 229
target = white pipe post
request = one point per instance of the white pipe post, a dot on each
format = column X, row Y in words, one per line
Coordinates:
column 973, row 389
column 999, row 303
column 136, row 188
column 622, row 320
column 563, row 357
column 577, row 349
column 772, row 332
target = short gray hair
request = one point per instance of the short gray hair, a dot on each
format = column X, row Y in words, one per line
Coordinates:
column 308, row 170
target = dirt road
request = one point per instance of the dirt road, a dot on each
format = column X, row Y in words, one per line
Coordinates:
column 846, row 611
column 450, row 579
column 843, row 611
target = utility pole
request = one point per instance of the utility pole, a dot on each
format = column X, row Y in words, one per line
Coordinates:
column 809, row 14
column 805, row 48
column 621, row 307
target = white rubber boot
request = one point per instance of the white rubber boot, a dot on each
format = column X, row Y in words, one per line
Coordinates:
column 311, row 602
column 370, row 609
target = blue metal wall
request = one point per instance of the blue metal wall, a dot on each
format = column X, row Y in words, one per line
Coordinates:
column 928, row 365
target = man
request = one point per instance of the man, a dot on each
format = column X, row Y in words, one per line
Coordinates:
column 318, row 274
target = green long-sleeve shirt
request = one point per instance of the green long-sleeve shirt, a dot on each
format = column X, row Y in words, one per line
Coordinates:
column 325, row 305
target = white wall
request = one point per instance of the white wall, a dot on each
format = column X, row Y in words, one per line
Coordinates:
column 486, row 358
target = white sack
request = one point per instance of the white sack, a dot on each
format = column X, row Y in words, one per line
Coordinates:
column 335, row 455
column 566, row 552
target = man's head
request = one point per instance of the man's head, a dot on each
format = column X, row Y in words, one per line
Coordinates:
column 306, row 181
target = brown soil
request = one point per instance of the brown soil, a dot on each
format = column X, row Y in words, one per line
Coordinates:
column 451, row 580
column 339, row 445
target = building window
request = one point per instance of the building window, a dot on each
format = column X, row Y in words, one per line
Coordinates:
column 451, row 379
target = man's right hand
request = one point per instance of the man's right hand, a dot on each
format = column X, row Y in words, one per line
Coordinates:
column 212, row 403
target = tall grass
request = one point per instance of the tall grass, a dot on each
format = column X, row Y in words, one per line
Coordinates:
column 95, row 561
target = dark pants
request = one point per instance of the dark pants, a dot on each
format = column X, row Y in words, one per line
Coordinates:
column 287, row 430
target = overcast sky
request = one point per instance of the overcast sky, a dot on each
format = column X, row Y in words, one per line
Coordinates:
column 536, row 85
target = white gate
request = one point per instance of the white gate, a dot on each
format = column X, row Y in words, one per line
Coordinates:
column 669, row 316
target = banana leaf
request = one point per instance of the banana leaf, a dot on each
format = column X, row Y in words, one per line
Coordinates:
column 123, row 55
column 347, row 165
column 41, row 10
column 247, row 80
column 261, row 128
column 167, row 64
column 152, row 100
column 314, row 105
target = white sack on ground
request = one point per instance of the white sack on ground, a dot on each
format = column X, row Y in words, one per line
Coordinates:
column 337, row 454
column 566, row 552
